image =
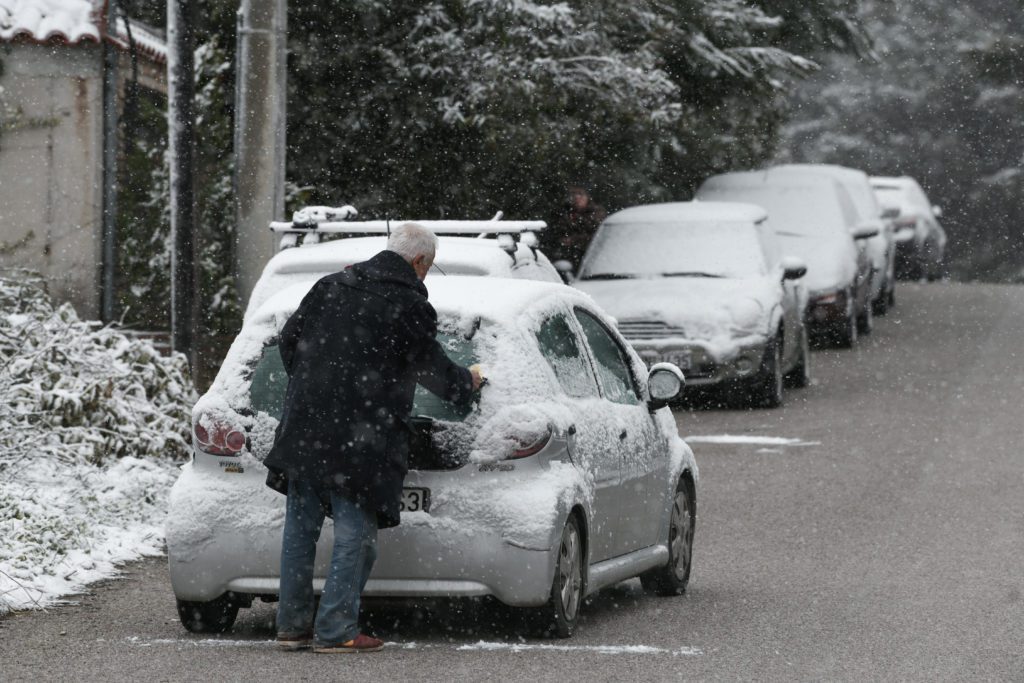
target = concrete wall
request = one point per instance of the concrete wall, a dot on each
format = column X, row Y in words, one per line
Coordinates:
column 51, row 169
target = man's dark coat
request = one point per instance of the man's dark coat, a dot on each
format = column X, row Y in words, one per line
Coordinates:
column 354, row 351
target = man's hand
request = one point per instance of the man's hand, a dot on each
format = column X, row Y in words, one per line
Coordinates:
column 478, row 376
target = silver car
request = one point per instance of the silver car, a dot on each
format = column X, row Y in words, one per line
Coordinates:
column 704, row 285
column 567, row 475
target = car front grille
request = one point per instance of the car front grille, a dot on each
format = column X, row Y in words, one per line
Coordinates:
column 649, row 329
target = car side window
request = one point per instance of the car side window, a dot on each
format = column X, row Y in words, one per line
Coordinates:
column 611, row 360
column 561, row 349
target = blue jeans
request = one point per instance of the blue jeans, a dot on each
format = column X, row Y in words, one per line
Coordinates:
column 355, row 549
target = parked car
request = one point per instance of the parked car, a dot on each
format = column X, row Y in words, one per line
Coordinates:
column 920, row 239
column 567, row 475
column 870, row 212
column 704, row 285
column 815, row 220
column 455, row 256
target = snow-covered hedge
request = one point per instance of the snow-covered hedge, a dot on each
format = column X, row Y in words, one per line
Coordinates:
column 92, row 426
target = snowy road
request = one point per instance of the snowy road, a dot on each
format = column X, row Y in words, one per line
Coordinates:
column 871, row 529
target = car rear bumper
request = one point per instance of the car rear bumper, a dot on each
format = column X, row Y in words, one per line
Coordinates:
column 224, row 534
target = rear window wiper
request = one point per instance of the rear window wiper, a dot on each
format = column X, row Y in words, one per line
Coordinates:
column 693, row 273
column 609, row 276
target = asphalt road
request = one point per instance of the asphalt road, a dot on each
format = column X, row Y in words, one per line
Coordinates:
column 886, row 544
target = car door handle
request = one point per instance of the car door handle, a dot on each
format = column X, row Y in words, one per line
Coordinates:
column 623, row 435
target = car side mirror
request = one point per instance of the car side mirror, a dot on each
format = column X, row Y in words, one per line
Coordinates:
column 937, row 211
column 864, row 232
column 793, row 268
column 665, row 383
column 891, row 213
column 564, row 269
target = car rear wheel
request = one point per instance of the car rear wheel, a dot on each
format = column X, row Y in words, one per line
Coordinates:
column 846, row 333
column 672, row 578
column 215, row 616
column 561, row 613
column 766, row 385
column 800, row 376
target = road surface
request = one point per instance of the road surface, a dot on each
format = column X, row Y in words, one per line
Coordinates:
column 885, row 542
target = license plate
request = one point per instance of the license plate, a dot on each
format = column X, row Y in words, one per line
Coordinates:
column 415, row 500
column 682, row 360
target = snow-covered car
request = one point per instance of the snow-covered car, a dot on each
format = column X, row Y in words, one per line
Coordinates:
column 920, row 239
column 870, row 213
column 567, row 475
column 814, row 218
column 704, row 285
column 455, row 256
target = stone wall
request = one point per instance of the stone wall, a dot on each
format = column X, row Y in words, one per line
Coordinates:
column 51, row 169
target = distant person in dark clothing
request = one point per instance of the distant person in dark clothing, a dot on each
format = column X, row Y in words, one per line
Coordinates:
column 574, row 226
column 354, row 351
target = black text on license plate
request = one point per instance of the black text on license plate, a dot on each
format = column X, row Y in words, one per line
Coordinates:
column 681, row 360
column 415, row 500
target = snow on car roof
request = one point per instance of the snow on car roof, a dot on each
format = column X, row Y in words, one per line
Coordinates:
column 469, row 297
column 690, row 211
column 854, row 180
column 482, row 254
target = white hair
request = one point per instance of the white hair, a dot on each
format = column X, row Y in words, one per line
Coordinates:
column 410, row 240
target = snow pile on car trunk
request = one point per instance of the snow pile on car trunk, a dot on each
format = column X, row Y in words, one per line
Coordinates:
column 92, row 425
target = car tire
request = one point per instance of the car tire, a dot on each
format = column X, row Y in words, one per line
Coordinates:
column 866, row 320
column 766, row 385
column 800, row 375
column 672, row 578
column 892, row 297
column 880, row 306
column 559, row 616
column 215, row 616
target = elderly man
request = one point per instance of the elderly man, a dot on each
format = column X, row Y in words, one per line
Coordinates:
column 354, row 351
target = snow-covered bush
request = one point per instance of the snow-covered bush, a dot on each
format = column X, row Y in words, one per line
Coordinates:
column 93, row 425
column 70, row 389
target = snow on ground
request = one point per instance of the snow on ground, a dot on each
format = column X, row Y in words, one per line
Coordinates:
column 64, row 525
column 480, row 646
column 92, row 428
column 749, row 440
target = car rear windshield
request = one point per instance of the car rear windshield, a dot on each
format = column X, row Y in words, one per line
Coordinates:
column 270, row 381
column 675, row 248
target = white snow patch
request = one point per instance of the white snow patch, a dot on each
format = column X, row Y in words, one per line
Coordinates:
column 598, row 649
column 750, row 439
column 66, row 525
column 481, row 646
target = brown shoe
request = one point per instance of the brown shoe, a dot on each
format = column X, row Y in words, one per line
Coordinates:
column 360, row 643
column 292, row 641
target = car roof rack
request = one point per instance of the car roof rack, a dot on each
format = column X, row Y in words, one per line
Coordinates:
column 310, row 223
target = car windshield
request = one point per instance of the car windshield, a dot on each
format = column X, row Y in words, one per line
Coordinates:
column 674, row 249
column 795, row 209
column 269, row 382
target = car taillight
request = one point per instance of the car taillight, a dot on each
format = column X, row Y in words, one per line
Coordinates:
column 529, row 445
column 836, row 298
column 217, row 437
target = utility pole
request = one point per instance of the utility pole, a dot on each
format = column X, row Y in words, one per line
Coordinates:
column 181, row 105
column 260, row 104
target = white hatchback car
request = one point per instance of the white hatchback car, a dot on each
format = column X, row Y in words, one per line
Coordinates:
column 566, row 476
column 704, row 285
